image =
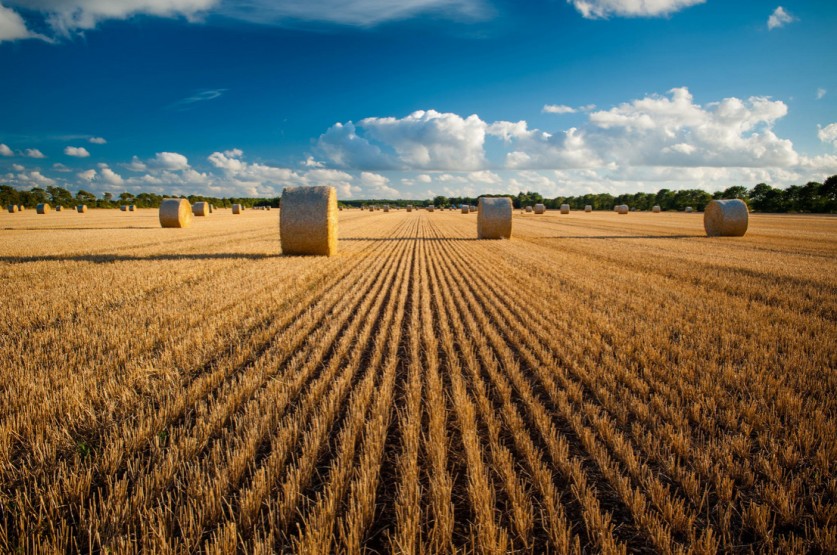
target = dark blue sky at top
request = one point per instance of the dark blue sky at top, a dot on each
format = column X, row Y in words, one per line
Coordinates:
column 278, row 87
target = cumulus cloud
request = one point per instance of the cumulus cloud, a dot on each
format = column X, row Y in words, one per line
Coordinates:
column 424, row 139
column 558, row 109
column 18, row 167
column 5, row 150
column 97, row 140
column 136, row 165
column 594, row 9
column 779, row 18
column 76, row 151
column 13, row 27
column 170, row 161
column 828, row 134
column 87, row 175
column 33, row 153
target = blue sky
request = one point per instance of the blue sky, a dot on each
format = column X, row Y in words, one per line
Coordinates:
column 416, row 98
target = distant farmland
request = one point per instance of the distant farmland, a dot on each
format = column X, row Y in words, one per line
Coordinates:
column 598, row 383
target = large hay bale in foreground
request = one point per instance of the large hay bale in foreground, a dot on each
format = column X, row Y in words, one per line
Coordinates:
column 81, row 208
column 622, row 209
column 565, row 209
column 175, row 212
column 236, row 209
column 588, row 207
column 656, row 209
column 43, row 208
column 12, row 208
column 528, row 209
column 726, row 218
column 494, row 218
column 540, row 209
column 308, row 223
column 200, row 209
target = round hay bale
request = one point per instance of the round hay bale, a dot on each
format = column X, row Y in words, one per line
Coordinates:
column 656, row 209
column 588, row 208
column 494, row 218
column 540, row 209
column 386, row 208
column 236, row 209
column 431, row 208
column 528, row 209
column 43, row 208
column 59, row 208
column 473, row 208
column 132, row 208
column 689, row 210
column 175, row 212
column 465, row 209
column 200, row 209
column 308, row 224
column 409, row 208
column 565, row 209
column 622, row 209
column 12, row 208
column 123, row 208
column 211, row 209
column 20, row 208
column 81, row 208
column 726, row 218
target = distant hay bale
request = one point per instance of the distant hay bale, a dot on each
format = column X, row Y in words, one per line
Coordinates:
column 726, row 218
column 386, row 208
column 540, row 209
column 236, row 209
column 409, row 208
column 308, row 224
column 588, row 208
column 59, row 208
column 12, row 208
column 494, row 218
column 211, row 209
column 175, row 212
column 622, row 209
column 124, row 208
column 131, row 208
column 43, row 208
column 465, row 208
column 565, row 209
column 200, row 209
column 528, row 209
column 81, row 208
column 473, row 208
column 431, row 208
column 689, row 210
column 20, row 208
column 656, row 209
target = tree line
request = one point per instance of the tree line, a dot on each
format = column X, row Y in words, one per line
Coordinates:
column 813, row 197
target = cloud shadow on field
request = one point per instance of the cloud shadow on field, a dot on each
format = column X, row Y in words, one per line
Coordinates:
column 109, row 258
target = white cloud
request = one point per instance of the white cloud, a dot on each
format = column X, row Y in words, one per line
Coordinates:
column 60, row 168
column 76, row 151
column 97, row 140
column 33, row 153
column 828, row 134
column 311, row 162
column 820, row 93
column 558, row 109
column 35, row 179
column 5, row 150
column 593, row 9
column 200, row 96
column 779, row 18
column 136, row 165
column 170, row 161
column 424, row 139
column 87, row 175
column 13, row 27
column 424, row 178
column 111, row 177
column 18, row 167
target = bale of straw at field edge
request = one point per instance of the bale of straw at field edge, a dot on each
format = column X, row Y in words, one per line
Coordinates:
column 20, row 208
column 81, row 208
column 236, row 209
column 622, row 209
column 308, row 223
column 123, row 208
column 726, row 218
column 132, row 208
column 12, row 208
column 689, row 210
column 431, row 208
column 465, row 208
column 386, row 208
column 588, row 208
column 565, row 209
column 200, row 209
column 59, row 208
column 43, row 208
column 540, row 209
column 528, row 209
column 494, row 218
column 175, row 212
column 409, row 208
column 656, row 209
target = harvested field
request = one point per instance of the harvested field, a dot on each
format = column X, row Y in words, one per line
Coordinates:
column 594, row 384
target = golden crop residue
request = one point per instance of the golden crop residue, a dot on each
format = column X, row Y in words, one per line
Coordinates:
column 598, row 383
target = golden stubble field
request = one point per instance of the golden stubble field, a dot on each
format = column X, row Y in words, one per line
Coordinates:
column 599, row 383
